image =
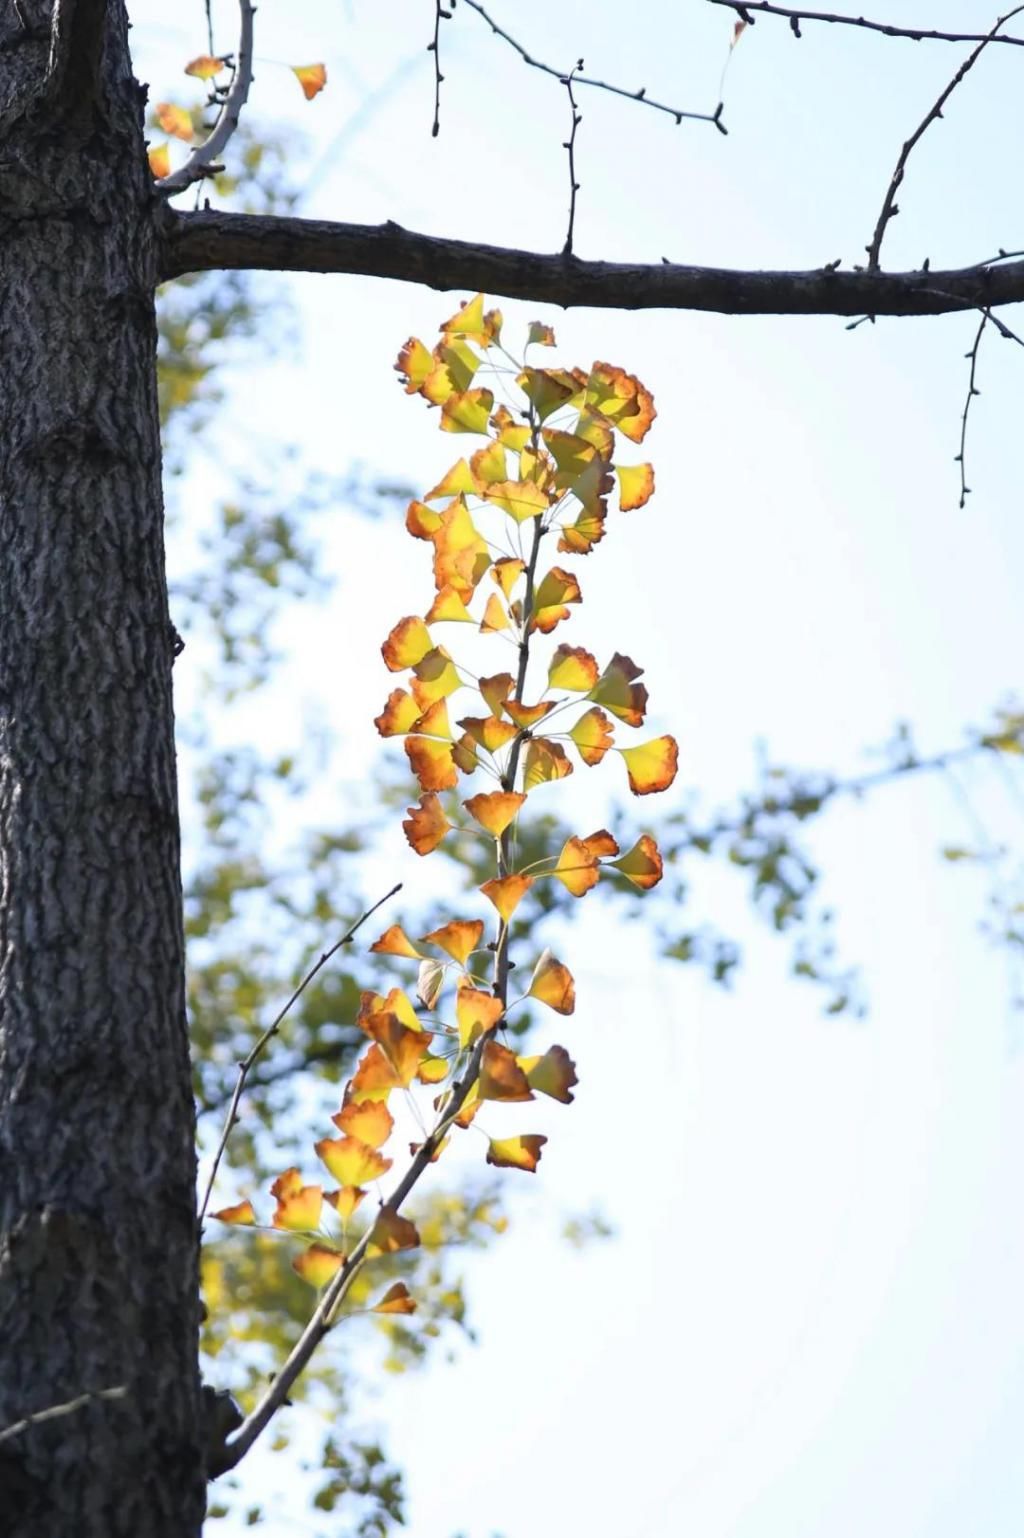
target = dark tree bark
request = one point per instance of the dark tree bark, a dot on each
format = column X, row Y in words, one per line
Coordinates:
column 98, row 1237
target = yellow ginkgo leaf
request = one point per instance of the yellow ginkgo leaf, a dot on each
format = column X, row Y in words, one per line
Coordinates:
column 553, row 984
column 495, row 809
column 351, row 1161
column 642, row 864
column 175, row 121
column 160, row 161
column 396, row 1300
column 459, row 938
column 311, row 77
column 652, row 766
column 318, row 1264
column 395, row 942
column 205, row 67
column 520, row 1153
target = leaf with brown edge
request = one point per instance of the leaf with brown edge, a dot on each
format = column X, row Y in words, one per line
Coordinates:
column 459, row 938
column 519, row 1153
column 391, row 1233
column 467, row 412
column 506, row 573
column 475, row 1013
column 579, row 538
column 408, row 643
column 488, row 465
column 461, row 556
column 298, row 1206
column 432, row 763
column 520, row 499
column 510, row 433
column 465, row 754
column 458, row 479
column 205, row 66
column 496, row 690
column 642, row 864
column 577, row 867
column 368, row 1120
column 526, row 716
column 557, row 589
column 395, row 942
column 572, row 668
column 241, row 1213
column 399, row 713
column 288, row 1183
column 420, row 521
column 488, row 732
column 552, row 983
column 471, row 320
column 351, row 1161
column 403, row 1048
column 448, row 607
column 397, row 1300
column 434, row 722
column 636, row 485
column 622, row 399
column 495, row 809
column 618, row 692
column 544, row 761
column 552, row 1074
column 345, row 1201
column 374, row 1078
column 495, row 617
column 434, row 678
column 549, row 388
column 400, row 1004
column 540, row 334
column 501, row 1077
column 455, row 367
column 429, row 982
column 426, row 824
column 175, row 121
column 311, row 77
column 652, row 766
column 318, row 1264
column 415, row 363
column 506, row 893
column 160, row 161
column 601, row 843
column 593, row 735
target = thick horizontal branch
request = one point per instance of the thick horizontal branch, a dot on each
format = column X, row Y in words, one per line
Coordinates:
column 200, row 242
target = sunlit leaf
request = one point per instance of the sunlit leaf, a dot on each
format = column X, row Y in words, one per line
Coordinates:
column 636, row 485
column 392, row 1232
column 528, row 715
column 205, row 66
column 351, row 1161
column 468, row 412
column 475, row 1013
column 432, row 1070
column 557, row 589
column 547, row 389
column 399, row 713
column 471, row 320
column 369, row 1121
column 592, row 735
column 496, row 690
column 426, row 824
column 407, row 644
column 572, row 668
column 432, row 763
column 579, row 538
column 448, row 606
column 175, row 121
column 415, row 363
column 552, row 1074
column 298, row 1206
column 541, row 334
column 403, row 1049
column 501, row 1077
column 495, row 618
column 521, row 1153
column 489, row 465
column 552, row 983
column 617, row 692
column 465, row 754
column 506, row 893
column 488, row 732
column 311, row 77
column 434, row 678
column 601, row 843
column 461, row 556
column 241, row 1213
column 520, row 499
column 622, row 399
column 395, row 942
column 511, row 434
column 506, row 573
column 495, row 809
column 652, row 766
column 318, row 1264
column 374, row 1078
column 460, row 938
column 420, row 521
column 577, row 867
column 455, row 366
column 544, row 761
column 160, row 161
column 395, row 1301
column 458, row 479
column 642, row 864
column 345, row 1201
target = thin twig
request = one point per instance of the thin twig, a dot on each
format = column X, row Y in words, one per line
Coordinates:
column 271, row 1031
column 600, row 85
column 749, row 10
column 204, row 159
column 889, row 206
column 54, row 1412
column 209, row 28
column 972, row 391
column 440, row 14
column 570, row 145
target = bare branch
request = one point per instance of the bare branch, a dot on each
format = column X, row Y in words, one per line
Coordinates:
column 570, row 146
column 749, row 10
column 600, row 85
column 203, row 160
column 440, row 14
column 972, row 391
column 209, row 239
column 55, row 1412
column 271, row 1031
column 889, row 207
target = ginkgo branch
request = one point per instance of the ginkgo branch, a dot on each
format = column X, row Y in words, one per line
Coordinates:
column 271, row 1031
column 57, row 1411
column 210, row 240
column 749, row 10
column 203, row 161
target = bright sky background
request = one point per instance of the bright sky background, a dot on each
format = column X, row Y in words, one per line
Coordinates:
column 810, row 1321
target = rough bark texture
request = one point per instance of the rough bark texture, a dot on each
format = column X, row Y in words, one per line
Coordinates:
column 98, row 1240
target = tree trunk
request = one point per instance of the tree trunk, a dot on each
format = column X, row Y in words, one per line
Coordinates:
column 98, row 1236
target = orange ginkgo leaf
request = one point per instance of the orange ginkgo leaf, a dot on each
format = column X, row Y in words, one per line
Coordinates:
column 311, row 77
column 601, row 843
column 501, row 1077
column 345, row 1201
column 465, row 754
column 642, row 864
column 496, row 690
column 205, row 66
column 495, row 809
column 495, row 616
column 402, row 1046
column 488, row 732
column 593, row 735
column 544, row 761
column 636, row 485
column 528, row 715
column 506, row 573
column 506, row 893
column 426, row 824
column 520, row 499
column 471, row 320
column 572, row 668
column 318, row 1264
column 298, row 1206
column 557, row 589
column 652, row 766
column 407, row 644
column 160, row 161
column 448, row 607
column 622, row 399
column 397, row 1300
column 395, row 942
column 399, row 713
column 432, row 763
column 461, row 555
column 368, row 1120
column 374, row 1078
column 519, row 1153
column 579, row 538
column 434, row 678
column 459, row 939
column 552, row 1074
column 391, row 1232
column 540, row 334
column 577, row 867
column 241, row 1213
column 467, row 411
column 351, row 1161
column 617, row 692
column 475, row 1012
column 434, row 722
column 175, row 121
column 553, row 985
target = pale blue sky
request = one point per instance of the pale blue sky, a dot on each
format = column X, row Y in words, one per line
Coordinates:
column 810, row 1320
